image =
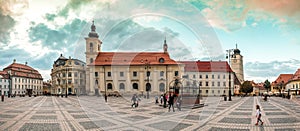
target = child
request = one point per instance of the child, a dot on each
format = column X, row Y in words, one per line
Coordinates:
column 258, row 115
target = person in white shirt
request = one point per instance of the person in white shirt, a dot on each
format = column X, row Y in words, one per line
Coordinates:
column 258, row 115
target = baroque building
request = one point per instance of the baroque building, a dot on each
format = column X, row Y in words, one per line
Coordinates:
column 23, row 79
column 128, row 72
column 209, row 78
column 68, row 76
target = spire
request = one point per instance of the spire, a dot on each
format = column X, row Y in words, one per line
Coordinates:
column 165, row 46
column 93, row 32
column 235, row 45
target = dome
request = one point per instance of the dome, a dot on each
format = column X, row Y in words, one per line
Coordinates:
column 236, row 51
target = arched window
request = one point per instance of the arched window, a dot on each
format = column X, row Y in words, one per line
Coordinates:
column 135, row 86
column 162, row 87
column 109, row 86
column 91, row 47
column 91, row 60
column 122, row 86
column 98, row 47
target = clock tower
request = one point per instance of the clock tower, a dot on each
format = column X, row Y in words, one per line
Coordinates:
column 92, row 48
column 237, row 64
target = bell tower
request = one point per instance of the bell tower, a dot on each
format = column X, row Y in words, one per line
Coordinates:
column 92, row 48
column 237, row 64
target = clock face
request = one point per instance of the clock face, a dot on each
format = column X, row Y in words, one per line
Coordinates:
column 234, row 60
column 161, row 60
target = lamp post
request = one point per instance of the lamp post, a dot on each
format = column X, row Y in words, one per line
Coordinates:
column 148, row 85
column 67, row 81
column 229, row 55
column 9, row 85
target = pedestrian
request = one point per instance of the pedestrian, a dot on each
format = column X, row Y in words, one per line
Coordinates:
column 258, row 115
column 165, row 100
column 156, row 99
column 161, row 98
column 178, row 103
column 134, row 100
column 171, row 101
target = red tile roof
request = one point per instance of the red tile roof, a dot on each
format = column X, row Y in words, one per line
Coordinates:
column 296, row 75
column 133, row 58
column 282, row 78
column 206, row 66
column 21, row 70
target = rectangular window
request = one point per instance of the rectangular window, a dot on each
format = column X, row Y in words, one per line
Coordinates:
column 75, row 74
column 121, row 74
column 109, row 74
column 64, row 74
column 219, row 76
column 219, row 83
column 194, row 76
column 96, row 74
column 213, row 84
column 161, row 73
column 200, row 76
column 206, row 91
column 76, row 81
column 206, row 83
column 176, row 73
column 213, row 76
column 224, row 84
column 206, row 76
column 69, row 74
column 134, row 74
column 224, row 76
column 200, row 83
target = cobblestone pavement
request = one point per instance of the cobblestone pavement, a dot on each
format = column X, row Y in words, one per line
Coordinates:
column 92, row 113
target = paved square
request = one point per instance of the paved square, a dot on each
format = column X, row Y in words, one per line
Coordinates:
column 92, row 113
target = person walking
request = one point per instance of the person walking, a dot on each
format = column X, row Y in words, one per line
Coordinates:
column 178, row 103
column 134, row 100
column 171, row 101
column 258, row 115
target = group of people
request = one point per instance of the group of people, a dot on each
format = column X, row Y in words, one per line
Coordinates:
column 171, row 99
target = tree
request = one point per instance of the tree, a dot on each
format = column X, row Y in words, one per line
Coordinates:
column 246, row 87
column 267, row 85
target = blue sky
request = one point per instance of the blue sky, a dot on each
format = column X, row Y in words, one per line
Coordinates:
column 266, row 31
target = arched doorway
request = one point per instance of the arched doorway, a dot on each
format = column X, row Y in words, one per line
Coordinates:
column 122, row 86
column 148, row 87
column 109, row 86
column 135, row 86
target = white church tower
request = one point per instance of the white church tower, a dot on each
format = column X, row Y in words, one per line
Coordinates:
column 93, row 47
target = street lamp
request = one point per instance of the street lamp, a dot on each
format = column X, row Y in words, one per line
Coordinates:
column 229, row 55
column 148, row 85
column 67, row 81
column 9, row 85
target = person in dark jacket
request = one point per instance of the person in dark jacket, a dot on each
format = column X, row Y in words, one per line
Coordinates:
column 171, row 101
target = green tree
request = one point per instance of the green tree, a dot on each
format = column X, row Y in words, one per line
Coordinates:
column 267, row 85
column 246, row 87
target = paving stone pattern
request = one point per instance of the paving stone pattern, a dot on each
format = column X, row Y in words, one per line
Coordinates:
column 93, row 113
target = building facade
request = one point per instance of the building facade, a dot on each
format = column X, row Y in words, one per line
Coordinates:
column 293, row 85
column 128, row 72
column 209, row 78
column 278, row 86
column 4, row 83
column 68, row 76
column 24, row 80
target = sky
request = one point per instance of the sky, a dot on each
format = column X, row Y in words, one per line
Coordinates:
column 266, row 31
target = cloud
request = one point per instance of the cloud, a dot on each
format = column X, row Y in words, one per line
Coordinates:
column 7, row 23
column 271, row 70
column 232, row 15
